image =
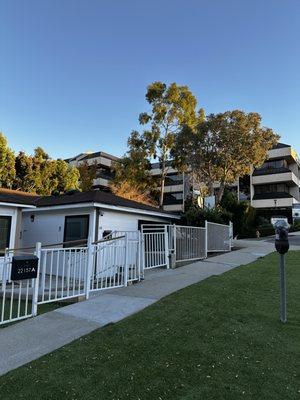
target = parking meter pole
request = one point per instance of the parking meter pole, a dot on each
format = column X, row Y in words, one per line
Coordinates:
column 282, row 247
column 282, row 290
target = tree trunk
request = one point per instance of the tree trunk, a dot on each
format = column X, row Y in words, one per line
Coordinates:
column 220, row 192
column 210, row 187
column 162, row 183
column 162, row 188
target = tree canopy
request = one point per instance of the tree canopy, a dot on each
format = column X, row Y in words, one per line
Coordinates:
column 7, row 164
column 171, row 107
column 132, row 178
column 87, row 175
column 222, row 147
column 36, row 173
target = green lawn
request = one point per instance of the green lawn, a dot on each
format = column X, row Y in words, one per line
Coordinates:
column 219, row 339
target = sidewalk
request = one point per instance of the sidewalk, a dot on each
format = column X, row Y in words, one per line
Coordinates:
column 33, row 338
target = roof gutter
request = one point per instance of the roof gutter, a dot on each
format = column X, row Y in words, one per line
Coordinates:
column 16, row 205
column 136, row 211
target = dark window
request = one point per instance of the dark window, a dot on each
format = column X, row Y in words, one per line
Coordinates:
column 105, row 173
column 244, row 188
column 274, row 188
column 5, row 225
column 173, row 198
column 174, row 179
column 76, row 228
column 273, row 166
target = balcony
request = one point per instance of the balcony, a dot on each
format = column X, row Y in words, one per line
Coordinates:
column 101, row 182
column 270, row 171
column 99, row 160
column 156, row 170
column 173, row 188
column 273, row 200
column 275, row 177
column 283, row 151
column 173, row 207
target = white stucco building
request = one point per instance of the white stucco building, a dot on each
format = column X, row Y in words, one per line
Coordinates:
column 79, row 216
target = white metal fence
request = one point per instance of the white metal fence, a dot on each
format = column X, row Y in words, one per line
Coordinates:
column 190, row 243
column 183, row 243
column 62, row 273
column 109, row 265
column 218, row 237
column 121, row 258
column 16, row 297
column 155, row 245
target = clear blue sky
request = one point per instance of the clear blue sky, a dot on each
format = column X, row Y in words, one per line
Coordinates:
column 73, row 73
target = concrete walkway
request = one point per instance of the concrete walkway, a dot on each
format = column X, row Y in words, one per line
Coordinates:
column 33, row 338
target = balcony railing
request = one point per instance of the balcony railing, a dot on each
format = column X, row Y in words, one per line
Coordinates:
column 267, row 171
column 272, row 195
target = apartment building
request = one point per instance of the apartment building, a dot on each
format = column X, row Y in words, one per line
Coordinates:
column 275, row 185
column 177, row 186
column 104, row 166
column 271, row 189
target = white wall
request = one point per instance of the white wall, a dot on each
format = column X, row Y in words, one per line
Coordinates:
column 121, row 221
column 48, row 226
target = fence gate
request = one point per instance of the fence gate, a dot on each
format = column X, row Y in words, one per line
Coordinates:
column 115, row 261
column 62, row 273
column 120, row 258
column 16, row 297
column 218, row 237
column 155, row 240
column 189, row 243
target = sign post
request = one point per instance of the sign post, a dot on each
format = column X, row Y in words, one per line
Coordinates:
column 282, row 247
column 38, row 249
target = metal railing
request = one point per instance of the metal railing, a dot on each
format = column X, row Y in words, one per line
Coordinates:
column 62, row 273
column 112, row 262
column 190, row 243
column 18, row 299
column 108, row 265
column 219, row 237
column 156, row 245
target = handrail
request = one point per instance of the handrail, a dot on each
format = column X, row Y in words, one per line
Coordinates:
column 45, row 245
column 108, row 240
column 62, row 243
column 217, row 223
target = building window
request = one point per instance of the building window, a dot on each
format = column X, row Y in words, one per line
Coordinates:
column 5, row 226
column 174, row 179
column 76, row 229
column 173, row 198
column 273, row 166
column 274, row 188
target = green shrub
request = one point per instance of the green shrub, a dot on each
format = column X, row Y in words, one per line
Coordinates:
column 295, row 227
column 243, row 215
column 266, row 230
column 247, row 232
column 196, row 216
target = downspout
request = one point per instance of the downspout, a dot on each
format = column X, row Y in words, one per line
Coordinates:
column 97, row 218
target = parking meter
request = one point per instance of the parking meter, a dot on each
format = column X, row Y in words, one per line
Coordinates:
column 282, row 247
column 282, row 237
